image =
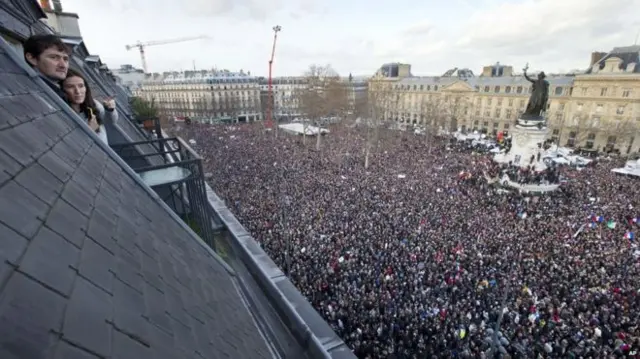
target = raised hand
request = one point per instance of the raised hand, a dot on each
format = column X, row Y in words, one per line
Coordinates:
column 93, row 122
column 109, row 103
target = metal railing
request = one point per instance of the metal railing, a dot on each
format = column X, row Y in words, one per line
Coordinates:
column 179, row 182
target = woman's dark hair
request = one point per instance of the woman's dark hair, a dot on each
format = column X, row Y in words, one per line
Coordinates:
column 88, row 102
column 36, row 44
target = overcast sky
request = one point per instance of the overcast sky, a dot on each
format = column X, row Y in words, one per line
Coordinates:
column 358, row 36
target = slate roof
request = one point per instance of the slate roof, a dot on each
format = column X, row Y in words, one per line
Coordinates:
column 93, row 265
column 484, row 80
column 628, row 55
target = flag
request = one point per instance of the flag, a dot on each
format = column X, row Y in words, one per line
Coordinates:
column 611, row 224
column 598, row 219
column 629, row 235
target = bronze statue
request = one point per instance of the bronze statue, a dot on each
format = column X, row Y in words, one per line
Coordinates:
column 539, row 94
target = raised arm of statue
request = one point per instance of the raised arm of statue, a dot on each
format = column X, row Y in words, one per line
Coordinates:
column 528, row 78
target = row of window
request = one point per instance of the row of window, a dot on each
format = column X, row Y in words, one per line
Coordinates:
column 599, row 108
column 215, row 94
column 193, row 88
column 590, row 142
column 620, row 110
column 489, row 102
column 198, row 81
column 604, row 91
column 559, row 90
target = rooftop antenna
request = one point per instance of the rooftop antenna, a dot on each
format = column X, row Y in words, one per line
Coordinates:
column 637, row 36
column 194, row 65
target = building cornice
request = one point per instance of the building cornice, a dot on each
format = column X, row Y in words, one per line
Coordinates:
column 609, row 77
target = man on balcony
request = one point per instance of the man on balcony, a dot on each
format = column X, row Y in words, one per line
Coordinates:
column 48, row 55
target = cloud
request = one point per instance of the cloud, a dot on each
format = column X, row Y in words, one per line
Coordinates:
column 418, row 30
column 549, row 34
column 537, row 23
column 252, row 9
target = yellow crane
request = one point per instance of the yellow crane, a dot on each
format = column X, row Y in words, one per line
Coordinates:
column 142, row 45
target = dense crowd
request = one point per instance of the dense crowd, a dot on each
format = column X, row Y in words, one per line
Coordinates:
column 410, row 259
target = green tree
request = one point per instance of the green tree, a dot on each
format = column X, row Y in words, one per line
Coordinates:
column 143, row 109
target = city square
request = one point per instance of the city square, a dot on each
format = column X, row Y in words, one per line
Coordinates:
column 319, row 180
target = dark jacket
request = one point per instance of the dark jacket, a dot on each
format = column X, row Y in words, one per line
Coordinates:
column 54, row 86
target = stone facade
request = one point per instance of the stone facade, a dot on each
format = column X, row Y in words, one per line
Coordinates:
column 206, row 95
column 596, row 110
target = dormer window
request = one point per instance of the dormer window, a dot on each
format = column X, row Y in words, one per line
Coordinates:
column 613, row 64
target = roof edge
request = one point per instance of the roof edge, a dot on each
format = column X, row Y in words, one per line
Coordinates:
column 320, row 340
column 110, row 153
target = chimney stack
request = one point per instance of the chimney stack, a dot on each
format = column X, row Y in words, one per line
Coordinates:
column 596, row 56
column 46, row 5
column 57, row 6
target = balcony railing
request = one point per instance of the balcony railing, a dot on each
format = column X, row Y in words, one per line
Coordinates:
column 179, row 181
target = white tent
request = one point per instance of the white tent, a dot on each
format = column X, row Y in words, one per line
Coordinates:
column 300, row 129
column 631, row 168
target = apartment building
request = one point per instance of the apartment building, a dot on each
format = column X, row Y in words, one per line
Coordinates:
column 357, row 89
column 597, row 109
column 285, row 101
column 208, row 95
column 605, row 104
column 129, row 77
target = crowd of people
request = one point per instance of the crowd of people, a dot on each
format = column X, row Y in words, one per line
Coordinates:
column 409, row 259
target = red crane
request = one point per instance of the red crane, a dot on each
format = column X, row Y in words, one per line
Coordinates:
column 276, row 29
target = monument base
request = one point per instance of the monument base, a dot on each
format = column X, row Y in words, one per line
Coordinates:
column 527, row 138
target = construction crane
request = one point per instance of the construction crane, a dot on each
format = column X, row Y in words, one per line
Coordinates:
column 142, row 45
column 276, row 29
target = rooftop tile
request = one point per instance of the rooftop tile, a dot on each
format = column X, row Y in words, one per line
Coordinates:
column 94, row 265
column 21, row 210
column 50, row 259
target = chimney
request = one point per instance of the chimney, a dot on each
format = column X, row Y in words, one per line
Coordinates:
column 57, row 6
column 46, row 5
column 596, row 56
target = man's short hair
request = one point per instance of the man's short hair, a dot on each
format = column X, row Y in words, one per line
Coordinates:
column 37, row 44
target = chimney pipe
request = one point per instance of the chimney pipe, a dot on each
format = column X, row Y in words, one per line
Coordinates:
column 596, row 56
column 57, row 6
column 45, row 4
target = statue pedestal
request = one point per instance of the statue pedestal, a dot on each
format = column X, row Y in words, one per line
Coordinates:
column 525, row 137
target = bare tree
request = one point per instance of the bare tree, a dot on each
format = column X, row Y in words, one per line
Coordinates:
column 381, row 105
column 621, row 133
column 432, row 111
column 576, row 130
column 320, row 98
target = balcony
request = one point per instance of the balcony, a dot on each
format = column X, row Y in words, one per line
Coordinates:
column 179, row 181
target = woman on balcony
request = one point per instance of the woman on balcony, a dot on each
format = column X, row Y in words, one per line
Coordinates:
column 79, row 97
